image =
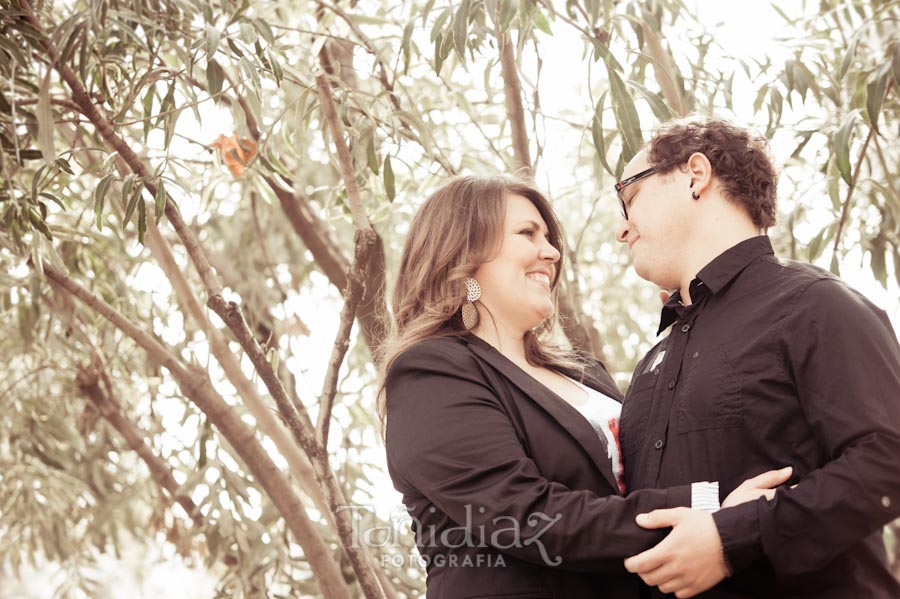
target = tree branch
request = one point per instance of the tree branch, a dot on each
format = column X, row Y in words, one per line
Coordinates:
column 87, row 380
column 845, row 210
column 195, row 384
column 512, row 88
column 265, row 419
column 197, row 387
column 360, row 219
column 383, row 79
column 665, row 70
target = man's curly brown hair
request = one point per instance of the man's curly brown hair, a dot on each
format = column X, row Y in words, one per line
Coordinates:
column 739, row 158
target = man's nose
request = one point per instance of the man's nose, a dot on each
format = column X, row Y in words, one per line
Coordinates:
column 622, row 231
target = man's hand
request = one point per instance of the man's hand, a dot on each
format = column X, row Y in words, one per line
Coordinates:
column 689, row 560
column 758, row 486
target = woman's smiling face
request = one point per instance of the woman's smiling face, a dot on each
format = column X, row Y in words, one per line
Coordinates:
column 516, row 283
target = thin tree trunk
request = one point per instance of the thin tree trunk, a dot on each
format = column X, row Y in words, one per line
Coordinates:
column 578, row 334
column 297, row 419
column 197, row 387
column 512, row 88
column 265, row 418
column 88, row 381
column 329, row 257
column 666, row 71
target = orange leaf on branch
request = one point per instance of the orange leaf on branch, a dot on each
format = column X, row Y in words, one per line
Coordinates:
column 236, row 154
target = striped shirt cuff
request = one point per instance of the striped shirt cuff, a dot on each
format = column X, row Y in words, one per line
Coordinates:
column 705, row 496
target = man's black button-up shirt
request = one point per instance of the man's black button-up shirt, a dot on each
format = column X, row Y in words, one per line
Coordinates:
column 773, row 364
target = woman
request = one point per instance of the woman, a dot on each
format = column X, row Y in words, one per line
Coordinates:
column 504, row 447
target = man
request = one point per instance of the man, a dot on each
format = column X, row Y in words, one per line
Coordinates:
column 767, row 363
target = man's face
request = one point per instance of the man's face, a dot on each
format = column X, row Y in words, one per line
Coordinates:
column 657, row 223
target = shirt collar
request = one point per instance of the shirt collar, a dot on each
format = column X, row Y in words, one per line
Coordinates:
column 716, row 275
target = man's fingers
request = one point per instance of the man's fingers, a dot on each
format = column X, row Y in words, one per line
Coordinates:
column 770, row 479
column 667, row 577
column 647, row 561
column 661, row 518
column 671, row 586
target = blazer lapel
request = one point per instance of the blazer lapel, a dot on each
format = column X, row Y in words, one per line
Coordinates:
column 567, row 416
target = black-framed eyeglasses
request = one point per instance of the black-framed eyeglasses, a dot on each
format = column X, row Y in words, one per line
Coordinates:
column 621, row 185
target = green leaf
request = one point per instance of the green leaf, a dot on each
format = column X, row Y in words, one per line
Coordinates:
column 8, row 46
column 52, row 198
column 45, row 124
column 760, row 96
column 601, row 51
column 816, row 244
column 597, row 133
column 540, row 21
column 426, row 10
column 729, row 90
column 248, row 33
column 38, row 223
column 842, row 146
column 848, row 56
column 63, row 165
column 657, row 105
column 834, row 192
column 142, row 219
column 372, row 155
column 160, row 200
column 215, row 76
column 875, row 94
column 132, row 203
column 406, row 43
column 593, row 8
column 100, row 199
column 897, row 263
column 461, row 30
column 147, row 105
column 264, row 30
column 879, row 269
column 389, row 179
column 212, row 41
column 437, row 28
column 277, row 71
column 627, row 120
column 71, row 43
column 251, row 73
column 507, row 13
column 438, row 58
column 895, row 67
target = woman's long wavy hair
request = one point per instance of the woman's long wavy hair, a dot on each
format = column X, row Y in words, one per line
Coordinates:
column 458, row 228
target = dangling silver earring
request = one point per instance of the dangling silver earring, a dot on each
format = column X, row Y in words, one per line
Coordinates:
column 473, row 294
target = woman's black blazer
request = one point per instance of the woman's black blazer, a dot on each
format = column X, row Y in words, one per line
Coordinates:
column 509, row 488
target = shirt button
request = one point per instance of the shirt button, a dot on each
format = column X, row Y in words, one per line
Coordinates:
column 886, row 501
column 671, row 384
column 658, row 444
column 686, row 328
column 696, row 354
column 656, row 371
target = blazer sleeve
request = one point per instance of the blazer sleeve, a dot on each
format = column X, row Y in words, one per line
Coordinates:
column 844, row 359
column 449, row 438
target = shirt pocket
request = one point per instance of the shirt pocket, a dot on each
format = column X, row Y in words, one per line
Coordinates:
column 636, row 412
column 710, row 394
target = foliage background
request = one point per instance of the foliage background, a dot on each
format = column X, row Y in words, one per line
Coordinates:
column 161, row 159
